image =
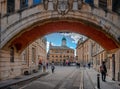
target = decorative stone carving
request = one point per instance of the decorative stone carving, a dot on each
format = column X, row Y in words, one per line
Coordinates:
column 45, row 2
column 80, row 4
column 55, row 3
column 70, row 4
column 63, row 7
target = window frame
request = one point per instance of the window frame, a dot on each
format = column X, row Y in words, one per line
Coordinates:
column 12, row 55
column 10, row 5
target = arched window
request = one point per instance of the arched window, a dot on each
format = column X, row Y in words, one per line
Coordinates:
column 23, row 4
column 35, row 2
column 10, row 6
column 33, row 55
column 11, row 54
column 103, row 4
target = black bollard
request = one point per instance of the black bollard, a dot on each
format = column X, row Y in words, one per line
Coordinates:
column 98, row 81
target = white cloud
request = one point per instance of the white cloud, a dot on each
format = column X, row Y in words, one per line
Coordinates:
column 54, row 44
column 71, row 47
column 74, row 36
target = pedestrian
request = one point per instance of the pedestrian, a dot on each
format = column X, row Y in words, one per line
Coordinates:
column 44, row 66
column 89, row 65
column 103, row 71
column 52, row 67
column 40, row 64
column 47, row 65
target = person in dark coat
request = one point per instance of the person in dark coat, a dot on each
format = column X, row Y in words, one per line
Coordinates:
column 103, row 71
column 52, row 67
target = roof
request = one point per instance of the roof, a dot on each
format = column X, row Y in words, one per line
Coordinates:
column 60, row 47
column 64, row 38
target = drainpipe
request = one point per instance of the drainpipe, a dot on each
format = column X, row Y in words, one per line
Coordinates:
column 0, row 25
column 113, row 67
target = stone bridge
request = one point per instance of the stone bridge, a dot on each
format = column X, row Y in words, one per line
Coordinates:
column 22, row 27
column 23, row 22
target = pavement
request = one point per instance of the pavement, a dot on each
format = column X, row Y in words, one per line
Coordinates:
column 90, row 81
column 64, row 77
column 5, row 84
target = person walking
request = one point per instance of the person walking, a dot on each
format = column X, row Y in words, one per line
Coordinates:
column 89, row 65
column 44, row 66
column 52, row 67
column 40, row 64
column 47, row 65
column 103, row 71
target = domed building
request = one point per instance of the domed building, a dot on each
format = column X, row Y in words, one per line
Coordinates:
column 61, row 54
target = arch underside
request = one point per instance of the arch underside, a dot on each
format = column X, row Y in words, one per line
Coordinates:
column 22, row 39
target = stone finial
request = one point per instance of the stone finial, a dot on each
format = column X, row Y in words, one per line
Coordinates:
column 55, row 3
column 70, row 2
column 80, row 4
column 45, row 2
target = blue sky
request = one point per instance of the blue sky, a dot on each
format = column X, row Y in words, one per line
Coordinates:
column 55, row 39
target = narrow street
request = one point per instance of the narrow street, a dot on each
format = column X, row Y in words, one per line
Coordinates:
column 63, row 78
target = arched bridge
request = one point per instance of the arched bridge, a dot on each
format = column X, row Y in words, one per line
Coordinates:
column 21, row 26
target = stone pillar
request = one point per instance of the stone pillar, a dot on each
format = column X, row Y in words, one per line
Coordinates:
column 3, row 7
column 112, row 58
column 96, row 3
column 109, row 5
column 110, row 70
column 17, row 5
column 113, row 66
column 117, row 67
column 9, row 69
column 30, row 3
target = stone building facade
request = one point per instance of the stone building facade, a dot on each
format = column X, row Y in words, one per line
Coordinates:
column 33, row 54
column 83, row 51
column 112, row 60
column 18, row 18
column 117, row 65
column 96, row 54
column 60, row 54
column 28, row 60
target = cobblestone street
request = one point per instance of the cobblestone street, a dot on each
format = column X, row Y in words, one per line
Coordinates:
column 63, row 78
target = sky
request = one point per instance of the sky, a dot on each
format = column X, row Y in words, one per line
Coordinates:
column 55, row 39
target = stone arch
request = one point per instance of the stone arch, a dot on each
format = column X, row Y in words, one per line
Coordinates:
column 93, row 31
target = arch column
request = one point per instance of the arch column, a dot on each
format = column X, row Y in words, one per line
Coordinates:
column 3, row 7
column 30, row 3
column 96, row 3
column 109, row 5
column 17, row 5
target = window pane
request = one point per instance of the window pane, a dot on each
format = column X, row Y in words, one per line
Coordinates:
column 23, row 4
column 36, row 1
column 116, row 6
column 10, row 6
column 89, row 1
column 11, row 54
column 33, row 54
column 103, row 4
